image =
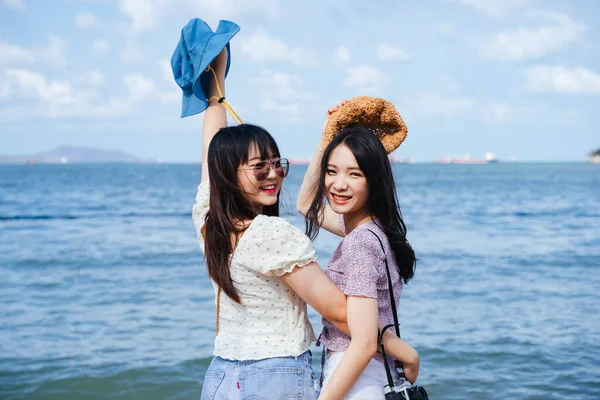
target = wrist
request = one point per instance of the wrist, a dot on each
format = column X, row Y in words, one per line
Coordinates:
column 213, row 92
column 216, row 84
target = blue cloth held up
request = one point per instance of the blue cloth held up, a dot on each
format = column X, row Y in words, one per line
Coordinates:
column 197, row 48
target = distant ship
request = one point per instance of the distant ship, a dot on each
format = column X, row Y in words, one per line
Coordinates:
column 490, row 158
column 401, row 160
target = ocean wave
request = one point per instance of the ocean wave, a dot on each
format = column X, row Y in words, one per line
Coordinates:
column 35, row 217
column 44, row 217
column 122, row 381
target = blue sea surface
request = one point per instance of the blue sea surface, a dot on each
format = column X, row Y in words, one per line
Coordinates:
column 104, row 292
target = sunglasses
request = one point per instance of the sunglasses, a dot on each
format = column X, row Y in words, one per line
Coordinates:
column 263, row 169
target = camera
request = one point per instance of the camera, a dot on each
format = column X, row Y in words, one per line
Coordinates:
column 401, row 390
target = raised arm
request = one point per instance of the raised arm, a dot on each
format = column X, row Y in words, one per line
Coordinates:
column 309, row 187
column 215, row 116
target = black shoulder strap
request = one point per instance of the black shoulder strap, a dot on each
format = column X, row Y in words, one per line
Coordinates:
column 389, row 277
column 388, row 370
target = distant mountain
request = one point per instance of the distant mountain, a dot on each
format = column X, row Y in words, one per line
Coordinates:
column 73, row 154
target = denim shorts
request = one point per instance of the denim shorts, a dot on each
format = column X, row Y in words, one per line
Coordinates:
column 274, row 378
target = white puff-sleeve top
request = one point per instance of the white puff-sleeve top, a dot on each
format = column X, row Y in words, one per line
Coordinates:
column 271, row 320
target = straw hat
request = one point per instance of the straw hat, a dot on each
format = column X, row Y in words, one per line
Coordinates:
column 379, row 115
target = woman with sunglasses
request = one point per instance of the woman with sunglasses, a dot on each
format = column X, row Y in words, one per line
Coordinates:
column 262, row 268
column 354, row 175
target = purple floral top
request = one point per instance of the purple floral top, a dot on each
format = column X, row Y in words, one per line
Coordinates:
column 357, row 267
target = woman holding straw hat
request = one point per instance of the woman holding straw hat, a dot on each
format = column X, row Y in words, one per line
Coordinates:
column 351, row 170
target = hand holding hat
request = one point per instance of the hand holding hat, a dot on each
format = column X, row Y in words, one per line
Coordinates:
column 191, row 63
column 325, row 139
column 219, row 66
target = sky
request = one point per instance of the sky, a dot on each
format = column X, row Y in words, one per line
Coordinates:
column 518, row 78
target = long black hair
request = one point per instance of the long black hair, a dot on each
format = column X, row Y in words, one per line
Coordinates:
column 382, row 199
column 228, row 204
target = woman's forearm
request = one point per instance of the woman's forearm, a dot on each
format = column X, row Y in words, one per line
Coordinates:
column 399, row 349
column 316, row 289
column 215, row 116
column 394, row 346
column 402, row 351
column 362, row 321
column 308, row 188
column 351, row 366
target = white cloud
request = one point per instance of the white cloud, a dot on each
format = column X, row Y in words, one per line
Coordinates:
column 100, row 47
column 34, row 95
column 130, row 53
column 173, row 94
column 53, row 92
column 497, row 113
column 53, row 54
column 528, row 44
column 4, row 88
column 387, row 52
column 494, row 8
column 445, row 99
column 284, row 87
column 92, row 77
column 292, row 110
column 14, row 4
column 86, row 20
column 436, row 103
column 366, row 79
column 282, row 93
column 143, row 14
column 13, row 54
column 231, row 9
column 140, row 87
column 341, row 55
column 143, row 90
column 165, row 69
column 261, row 48
column 148, row 15
column 446, row 28
column 562, row 80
